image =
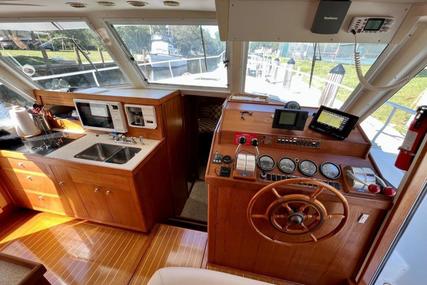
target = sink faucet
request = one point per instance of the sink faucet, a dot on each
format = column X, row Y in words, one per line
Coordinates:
column 121, row 138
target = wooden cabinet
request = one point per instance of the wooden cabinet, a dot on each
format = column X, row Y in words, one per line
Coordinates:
column 32, row 185
column 108, row 198
column 135, row 200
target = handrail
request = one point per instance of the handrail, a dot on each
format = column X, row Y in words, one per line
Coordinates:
column 45, row 77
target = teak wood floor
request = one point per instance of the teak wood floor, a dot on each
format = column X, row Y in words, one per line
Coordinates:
column 79, row 252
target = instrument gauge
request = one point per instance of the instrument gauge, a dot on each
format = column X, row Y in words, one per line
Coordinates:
column 307, row 167
column 287, row 165
column 330, row 170
column 266, row 163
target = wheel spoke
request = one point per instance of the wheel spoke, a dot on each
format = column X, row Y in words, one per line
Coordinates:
column 313, row 237
column 280, row 216
column 302, row 208
column 259, row 216
column 317, row 217
column 316, row 193
column 289, row 209
column 276, row 193
column 332, row 216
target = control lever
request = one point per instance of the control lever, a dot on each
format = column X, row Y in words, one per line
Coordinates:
column 242, row 141
column 255, row 143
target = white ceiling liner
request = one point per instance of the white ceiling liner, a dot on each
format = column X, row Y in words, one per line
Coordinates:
column 43, row 26
column 91, row 5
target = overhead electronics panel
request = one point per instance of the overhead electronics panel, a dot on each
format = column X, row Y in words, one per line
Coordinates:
column 272, row 20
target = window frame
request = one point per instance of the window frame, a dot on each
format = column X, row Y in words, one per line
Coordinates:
column 60, row 19
column 162, row 21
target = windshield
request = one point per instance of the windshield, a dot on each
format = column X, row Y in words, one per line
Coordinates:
column 312, row 74
column 177, row 54
column 58, row 55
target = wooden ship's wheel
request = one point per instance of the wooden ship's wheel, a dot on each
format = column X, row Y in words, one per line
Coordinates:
column 296, row 218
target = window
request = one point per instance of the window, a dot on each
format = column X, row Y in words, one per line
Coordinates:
column 58, row 55
column 177, row 54
column 9, row 98
column 387, row 126
column 312, row 74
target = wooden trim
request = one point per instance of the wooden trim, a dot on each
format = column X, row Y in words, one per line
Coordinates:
column 66, row 98
column 408, row 194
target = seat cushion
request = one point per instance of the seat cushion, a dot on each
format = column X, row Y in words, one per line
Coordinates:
column 197, row 276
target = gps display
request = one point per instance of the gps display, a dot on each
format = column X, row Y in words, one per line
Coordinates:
column 333, row 122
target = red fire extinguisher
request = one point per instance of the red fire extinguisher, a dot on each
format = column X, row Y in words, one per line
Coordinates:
column 414, row 137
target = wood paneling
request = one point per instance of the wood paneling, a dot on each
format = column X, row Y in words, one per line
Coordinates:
column 234, row 244
column 175, row 138
column 260, row 124
column 409, row 192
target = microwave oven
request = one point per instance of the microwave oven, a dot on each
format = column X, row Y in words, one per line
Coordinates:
column 101, row 115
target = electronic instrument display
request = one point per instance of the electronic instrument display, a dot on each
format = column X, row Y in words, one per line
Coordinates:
column 289, row 119
column 333, row 122
column 371, row 24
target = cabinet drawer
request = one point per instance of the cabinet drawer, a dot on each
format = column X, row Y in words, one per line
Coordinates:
column 40, row 202
column 12, row 163
column 30, row 181
column 100, row 179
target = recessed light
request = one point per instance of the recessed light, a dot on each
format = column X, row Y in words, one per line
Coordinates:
column 137, row 3
column 106, row 3
column 76, row 4
column 171, row 3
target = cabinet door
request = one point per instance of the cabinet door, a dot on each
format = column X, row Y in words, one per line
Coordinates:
column 95, row 201
column 69, row 190
column 123, row 209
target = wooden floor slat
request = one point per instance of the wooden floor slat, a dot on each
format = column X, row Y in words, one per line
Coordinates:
column 79, row 252
column 171, row 246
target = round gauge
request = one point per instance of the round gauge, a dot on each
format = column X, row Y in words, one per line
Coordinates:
column 287, row 165
column 266, row 163
column 307, row 167
column 330, row 170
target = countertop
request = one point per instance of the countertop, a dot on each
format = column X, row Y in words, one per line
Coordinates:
column 68, row 151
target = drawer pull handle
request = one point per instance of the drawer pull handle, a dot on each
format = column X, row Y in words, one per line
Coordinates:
column 108, row 192
column 30, row 178
column 21, row 164
column 40, row 197
column 96, row 190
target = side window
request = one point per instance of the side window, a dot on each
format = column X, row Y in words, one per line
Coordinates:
column 387, row 126
column 59, row 55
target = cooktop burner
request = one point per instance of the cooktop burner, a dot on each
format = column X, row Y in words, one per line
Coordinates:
column 46, row 143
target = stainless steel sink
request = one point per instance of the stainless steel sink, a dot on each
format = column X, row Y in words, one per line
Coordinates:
column 108, row 153
column 123, row 155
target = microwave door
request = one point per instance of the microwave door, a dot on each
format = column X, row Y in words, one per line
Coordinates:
column 95, row 115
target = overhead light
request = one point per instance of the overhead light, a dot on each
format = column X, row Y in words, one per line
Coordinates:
column 137, row 3
column 76, row 4
column 171, row 3
column 106, row 3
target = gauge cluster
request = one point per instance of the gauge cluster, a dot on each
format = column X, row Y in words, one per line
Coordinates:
column 306, row 167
